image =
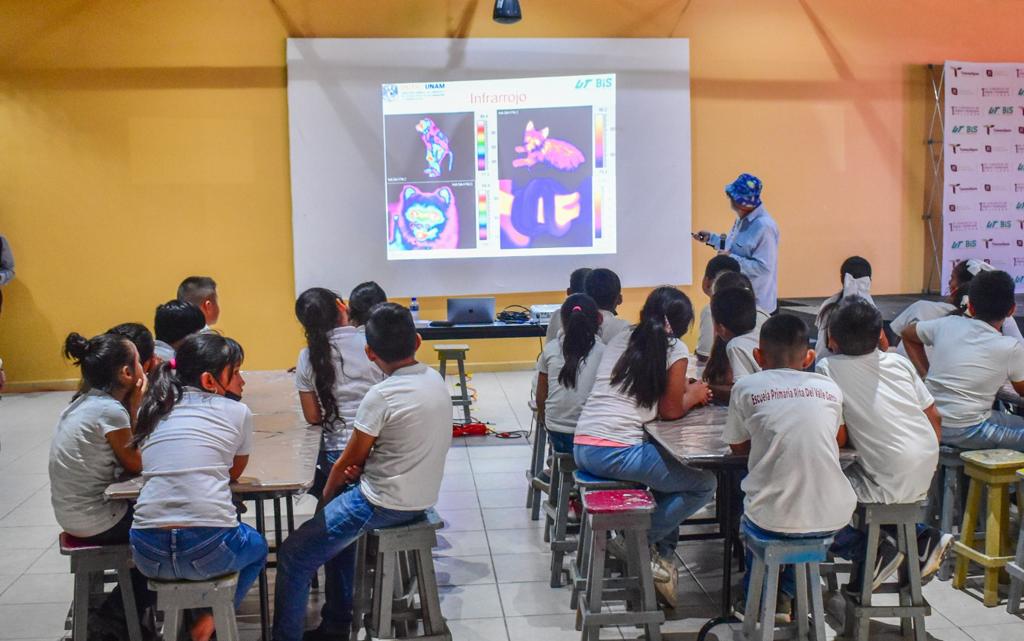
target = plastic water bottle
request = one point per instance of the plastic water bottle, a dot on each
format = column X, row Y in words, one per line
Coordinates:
column 414, row 307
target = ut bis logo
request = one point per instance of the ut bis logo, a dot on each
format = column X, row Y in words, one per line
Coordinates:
column 598, row 83
column 965, row 129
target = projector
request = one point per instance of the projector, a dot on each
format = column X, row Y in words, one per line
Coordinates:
column 543, row 313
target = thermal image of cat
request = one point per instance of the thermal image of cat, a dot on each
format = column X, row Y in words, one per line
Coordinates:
column 538, row 148
column 437, row 146
column 424, row 220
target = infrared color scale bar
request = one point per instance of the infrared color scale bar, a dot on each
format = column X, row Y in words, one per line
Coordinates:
column 481, row 216
column 599, row 141
column 598, row 198
column 481, row 145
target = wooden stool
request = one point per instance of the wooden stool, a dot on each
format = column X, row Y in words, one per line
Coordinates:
column 769, row 556
column 993, row 470
column 627, row 511
column 951, row 486
column 88, row 563
column 174, row 597
column 912, row 608
column 1016, row 567
column 456, row 353
column 556, row 513
column 402, row 566
column 536, row 483
column 587, row 482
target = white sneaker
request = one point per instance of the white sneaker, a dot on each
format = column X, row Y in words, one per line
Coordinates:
column 667, row 590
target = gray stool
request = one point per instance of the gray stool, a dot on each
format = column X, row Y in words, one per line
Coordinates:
column 627, row 511
column 536, row 483
column 556, row 514
column 1015, row 568
column 174, row 597
column 456, row 353
column 952, row 487
column 587, row 482
column 769, row 556
column 912, row 608
column 88, row 563
column 392, row 565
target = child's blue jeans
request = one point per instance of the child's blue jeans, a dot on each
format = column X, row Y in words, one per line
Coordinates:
column 561, row 442
column 679, row 490
column 1000, row 430
column 327, row 539
column 200, row 553
column 787, row 578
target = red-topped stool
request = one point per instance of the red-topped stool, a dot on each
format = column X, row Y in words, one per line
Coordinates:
column 629, row 512
column 89, row 562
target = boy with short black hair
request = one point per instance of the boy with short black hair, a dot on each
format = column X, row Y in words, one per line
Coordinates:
column 201, row 291
column 735, row 320
column 577, row 282
column 604, row 287
column 389, row 473
column 790, row 422
column 892, row 422
column 969, row 361
column 706, row 337
column 173, row 322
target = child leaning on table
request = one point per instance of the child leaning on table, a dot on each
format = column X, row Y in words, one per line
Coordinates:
column 406, row 420
column 195, row 439
column 791, row 423
column 734, row 317
column 892, row 422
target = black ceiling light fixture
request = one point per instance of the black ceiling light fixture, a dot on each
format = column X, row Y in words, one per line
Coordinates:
column 507, row 11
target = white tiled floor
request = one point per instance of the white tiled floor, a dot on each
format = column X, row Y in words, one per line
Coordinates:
column 492, row 564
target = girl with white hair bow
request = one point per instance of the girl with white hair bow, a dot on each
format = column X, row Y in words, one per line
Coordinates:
column 855, row 273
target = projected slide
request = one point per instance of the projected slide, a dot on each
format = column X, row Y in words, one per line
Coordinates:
column 490, row 168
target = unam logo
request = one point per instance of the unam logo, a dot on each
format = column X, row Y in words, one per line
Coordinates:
column 389, row 92
column 434, row 85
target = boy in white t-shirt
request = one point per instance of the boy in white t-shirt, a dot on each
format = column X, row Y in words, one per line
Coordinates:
column 969, row 360
column 791, row 423
column 706, row 338
column 604, row 287
column 734, row 312
column 892, row 422
column 406, row 420
column 577, row 279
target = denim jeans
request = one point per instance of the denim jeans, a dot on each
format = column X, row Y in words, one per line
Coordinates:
column 200, row 553
column 678, row 489
column 327, row 539
column 561, row 442
column 787, row 578
column 325, row 460
column 852, row 543
column 1000, row 430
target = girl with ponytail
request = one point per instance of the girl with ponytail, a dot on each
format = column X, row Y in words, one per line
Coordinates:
column 333, row 374
column 642, row 376
column 567, row 369
column 90, row 447
column 956, row 304
column 855, row 275
column 195, row 439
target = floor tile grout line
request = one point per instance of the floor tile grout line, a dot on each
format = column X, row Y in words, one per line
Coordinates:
column 490, row 552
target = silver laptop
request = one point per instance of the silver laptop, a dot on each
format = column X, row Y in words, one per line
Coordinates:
column 471, row 311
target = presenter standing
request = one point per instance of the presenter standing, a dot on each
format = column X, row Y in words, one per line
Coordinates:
column 753, row 240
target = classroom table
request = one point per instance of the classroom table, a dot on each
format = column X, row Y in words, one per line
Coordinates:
column 281, row 465
column 489, row 330
column 696, row 440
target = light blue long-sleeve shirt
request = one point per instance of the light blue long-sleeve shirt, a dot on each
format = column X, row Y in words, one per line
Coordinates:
column 6, row 262
column 754, row 243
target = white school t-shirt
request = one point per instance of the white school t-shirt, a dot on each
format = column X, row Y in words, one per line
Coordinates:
column 706, row 337
column 740, row 350
column 354, row 375
column 163, row 350
column 611, row 414
column 82, row 464
column 969, row 362
column 410, row 414
column 611, row 326
column 563, row 405
column 924, row 310
column 795, row 482
column 186, row 463
column 883, row 403
column 554, row 326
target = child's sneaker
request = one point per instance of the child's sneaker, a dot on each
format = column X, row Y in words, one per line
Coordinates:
column 932, row 547
column 668, row 589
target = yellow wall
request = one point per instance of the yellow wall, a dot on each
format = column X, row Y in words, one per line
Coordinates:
column 146, row 140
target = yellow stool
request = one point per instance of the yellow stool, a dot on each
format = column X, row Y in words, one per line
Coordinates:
column 995, row 470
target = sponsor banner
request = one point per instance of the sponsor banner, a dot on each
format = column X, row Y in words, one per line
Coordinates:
column 983, row 162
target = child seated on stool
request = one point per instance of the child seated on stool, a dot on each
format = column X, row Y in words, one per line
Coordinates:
column 855, row 277
column 567, row 369
column 604, row 287
column 173, row 322
column 577, row 279
column 641, row 377
column 892, row 422
column 734, row 313
column 362, row 299
column 970, row 360
column 790, row 423
column 706, row 337
column 406, row 420
column 201, row 291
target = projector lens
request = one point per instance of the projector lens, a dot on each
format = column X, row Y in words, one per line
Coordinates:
column 507, row 11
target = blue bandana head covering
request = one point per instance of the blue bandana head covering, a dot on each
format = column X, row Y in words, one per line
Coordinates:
column 745, row 190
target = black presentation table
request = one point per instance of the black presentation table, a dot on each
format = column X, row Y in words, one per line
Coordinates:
column 491, row 330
